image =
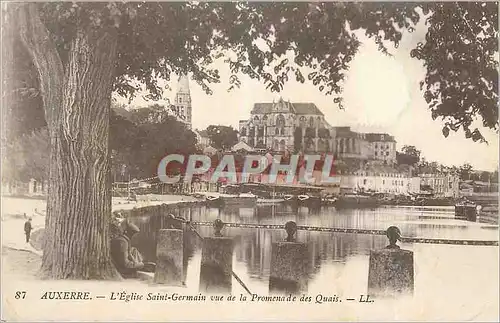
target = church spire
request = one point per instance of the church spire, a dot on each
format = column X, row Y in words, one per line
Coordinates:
column 183, row 85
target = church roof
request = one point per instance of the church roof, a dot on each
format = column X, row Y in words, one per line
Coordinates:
column 297, row 108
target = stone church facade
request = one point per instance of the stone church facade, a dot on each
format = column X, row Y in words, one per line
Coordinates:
column 286, row 126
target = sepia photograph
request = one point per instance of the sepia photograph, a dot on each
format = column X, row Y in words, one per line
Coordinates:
column 291, row 161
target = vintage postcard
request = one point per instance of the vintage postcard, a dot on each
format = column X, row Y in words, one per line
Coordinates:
column 292, row 161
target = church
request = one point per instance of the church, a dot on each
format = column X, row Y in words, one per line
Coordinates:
column 182, row 108
column 286, row 126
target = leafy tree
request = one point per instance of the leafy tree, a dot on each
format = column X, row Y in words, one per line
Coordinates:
column 409, row 155
column 222, row 137
column 156, row 141
column 461, row 57
column 27, row 157
column 152, row 114
column 465, row 171
column 411, row 150
column 23, row 111
column 494, row 177
column 485, row 176
column 84, row 51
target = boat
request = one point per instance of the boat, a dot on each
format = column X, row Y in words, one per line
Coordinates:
column 308, row 200
column 269, row 201
column 241, row 200
column 355, row 200
column 329, row 200
column 213, row 200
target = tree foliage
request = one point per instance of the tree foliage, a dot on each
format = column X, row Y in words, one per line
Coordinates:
column 139, row 147
column 222, row 137
column 461, row 58
column 409, row 155
column 27, row 157
column 465, row 171
column 460, row 51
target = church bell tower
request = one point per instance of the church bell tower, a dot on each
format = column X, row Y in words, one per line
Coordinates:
column 183, row 101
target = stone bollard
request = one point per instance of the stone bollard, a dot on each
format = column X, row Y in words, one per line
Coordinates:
column 169, row 257
column 216, row 262
column 391, row 270
column 289, row 264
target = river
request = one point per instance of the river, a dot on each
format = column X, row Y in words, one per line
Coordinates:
column 444, row 274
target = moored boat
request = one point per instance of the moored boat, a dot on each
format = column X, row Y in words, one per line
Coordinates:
column 269, row 201
column 356, row 201
column 308, row 200
column 243, row 200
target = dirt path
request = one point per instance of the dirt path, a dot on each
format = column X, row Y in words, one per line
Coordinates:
column 20, row 264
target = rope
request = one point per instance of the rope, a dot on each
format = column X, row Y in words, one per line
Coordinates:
column 356, row 231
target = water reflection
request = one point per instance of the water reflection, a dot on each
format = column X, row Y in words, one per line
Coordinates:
column 252, row 247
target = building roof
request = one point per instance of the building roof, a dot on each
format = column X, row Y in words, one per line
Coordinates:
column 372, row 137
column 242, row 146
column 297, row 108
column 384, row 169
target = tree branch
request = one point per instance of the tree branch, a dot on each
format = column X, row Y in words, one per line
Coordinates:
column 42, row 49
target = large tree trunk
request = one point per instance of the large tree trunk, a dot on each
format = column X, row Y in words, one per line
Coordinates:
column 77, row 104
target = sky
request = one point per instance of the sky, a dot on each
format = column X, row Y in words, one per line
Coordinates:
column 381, row 94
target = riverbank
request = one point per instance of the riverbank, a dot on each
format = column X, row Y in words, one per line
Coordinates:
column 16, row 210
column 451, row 282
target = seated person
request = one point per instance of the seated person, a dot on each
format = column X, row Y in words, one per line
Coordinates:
column 127, row 259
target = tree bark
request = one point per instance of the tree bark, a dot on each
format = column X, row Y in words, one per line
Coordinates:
column 77, row 107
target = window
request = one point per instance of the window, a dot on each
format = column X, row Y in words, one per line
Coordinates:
column 282, row 131
column 276, row 131
column 311, row 122
column 180, row 99
column 243, row 131
column 280, row 120
column 364, row 181
column 383, row 182
column 387, row 153
column 376, row 146
column 375, row 153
